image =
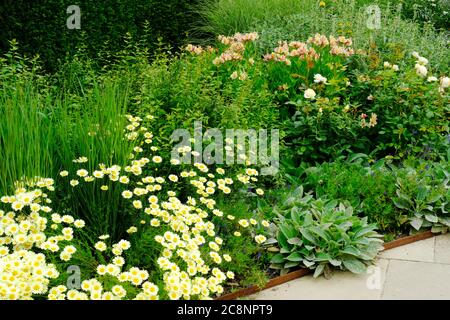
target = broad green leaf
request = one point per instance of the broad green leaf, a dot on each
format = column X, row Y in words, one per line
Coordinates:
column 290, row 264
column 288, row 231
column 354, row 265
column 308, row 263
column 335, row 262
column 295, row 256
column 278, row 258
column 401, row 203
column 432, row 218
column 421, row 193
column 416, row 223
column 296, row 241
column 351, row 251
column 318, row 231
column 270, row 241
column 308, row 236
column 319, row 270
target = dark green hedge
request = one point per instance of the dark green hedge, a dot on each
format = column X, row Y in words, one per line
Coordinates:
column 40, row 25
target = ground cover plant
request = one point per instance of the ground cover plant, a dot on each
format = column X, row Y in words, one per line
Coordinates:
column 89, row 180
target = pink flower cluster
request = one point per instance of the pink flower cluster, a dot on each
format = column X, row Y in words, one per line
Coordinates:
column 198, row 50
column 286, row 50
column 236, row 47
column 338, row 46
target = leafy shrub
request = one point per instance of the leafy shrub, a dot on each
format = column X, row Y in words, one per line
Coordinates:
column 423, row 193
column 412, row 110
column 320, row 235
column 40, row 28
column 368, row 189
column 348, row 18
column 192, row 88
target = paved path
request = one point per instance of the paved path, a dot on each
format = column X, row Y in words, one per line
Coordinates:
column 419, row 270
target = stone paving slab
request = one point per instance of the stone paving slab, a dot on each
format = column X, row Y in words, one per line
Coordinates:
column 417, row 280
column 442, row 249
column 420, row 270
column 417, row 251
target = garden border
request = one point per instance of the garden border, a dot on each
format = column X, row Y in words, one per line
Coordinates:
column 303, row 272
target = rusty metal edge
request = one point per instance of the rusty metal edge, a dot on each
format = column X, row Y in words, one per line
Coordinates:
column 303, row 272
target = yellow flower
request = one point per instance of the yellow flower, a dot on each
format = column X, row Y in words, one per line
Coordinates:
column 260, row 239
column 100, row 246
column 244, row 223
column 82, row 173
column 74, row 183
column 127, row 194
column 64, row 173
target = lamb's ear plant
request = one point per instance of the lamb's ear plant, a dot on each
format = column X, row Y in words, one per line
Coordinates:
column 321, row 235
column 425, row 198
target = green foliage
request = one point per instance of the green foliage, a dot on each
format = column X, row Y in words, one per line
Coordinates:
column 368, row 189
column 45, row 129
column 40, row 28
column 191, row 88
column 424, row 194
column 412, row 113
column 227, row 17
column 348, row 18
column 320, row 234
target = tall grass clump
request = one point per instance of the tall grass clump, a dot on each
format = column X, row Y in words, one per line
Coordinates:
column 229, row 16
column 26, row 137
column 46, row 125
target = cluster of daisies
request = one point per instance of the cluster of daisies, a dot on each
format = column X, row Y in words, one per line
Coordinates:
column 29, row 233
column 191, row 254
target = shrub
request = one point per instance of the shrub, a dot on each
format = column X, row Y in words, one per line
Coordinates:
column 348, row 19
column 319, row 235
column 423, row 193
column 369, row 190
column 40, row 28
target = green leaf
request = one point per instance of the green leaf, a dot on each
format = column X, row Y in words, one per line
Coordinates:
column 354, row 265
column 351, row 251
column 432, row 218
column 290, row 264
column 295, row 256
column 319, row 270
column 318, row 231
column 270, row 241
column 401, row 203
column 335, row 262
column 278, row 258
column 308, row 236
column 421, row 193
column 288, row 231
column 295, row 241
column 308, row 263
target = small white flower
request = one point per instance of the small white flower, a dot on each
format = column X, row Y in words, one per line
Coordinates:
column 432, row 79
column 318, row 78
column 422, row 61
column 309, row 94
column 421, row 70
column 445, row 82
